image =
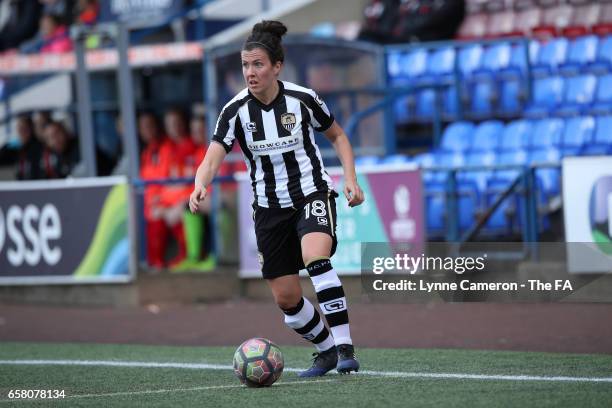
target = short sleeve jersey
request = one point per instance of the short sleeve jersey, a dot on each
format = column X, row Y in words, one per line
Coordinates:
column 278, row 143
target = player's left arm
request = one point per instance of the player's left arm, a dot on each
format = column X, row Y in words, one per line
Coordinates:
column 353, row 193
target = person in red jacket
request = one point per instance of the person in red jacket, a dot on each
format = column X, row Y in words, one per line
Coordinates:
column 155, row 163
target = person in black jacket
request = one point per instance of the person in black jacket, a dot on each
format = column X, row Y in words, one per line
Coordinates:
column 26, row 154
column 20, row 23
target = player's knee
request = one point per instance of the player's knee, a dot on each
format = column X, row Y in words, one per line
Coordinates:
column 287, row 300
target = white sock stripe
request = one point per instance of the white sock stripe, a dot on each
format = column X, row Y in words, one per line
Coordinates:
column 326, row 280
column 301, row 318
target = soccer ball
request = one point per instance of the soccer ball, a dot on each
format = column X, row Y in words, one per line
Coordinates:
column 258, row 363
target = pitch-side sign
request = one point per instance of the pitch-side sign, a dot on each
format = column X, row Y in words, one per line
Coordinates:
column 66, row 231
column 392, row 212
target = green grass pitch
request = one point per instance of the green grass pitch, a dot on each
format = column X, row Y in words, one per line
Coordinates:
column 104, row 386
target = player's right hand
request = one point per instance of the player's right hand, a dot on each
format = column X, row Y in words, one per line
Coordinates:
column 198, row 195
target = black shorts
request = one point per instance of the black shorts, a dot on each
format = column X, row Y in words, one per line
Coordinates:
column 279, row 232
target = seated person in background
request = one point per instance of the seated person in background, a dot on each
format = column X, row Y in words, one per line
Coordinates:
column 62, row 152
column 25, row 151
column 396, row 21
column 155, row 162
column 18, row 22
column 54, row 35
column 30, row 154
column 176, row 196
column 197, row 226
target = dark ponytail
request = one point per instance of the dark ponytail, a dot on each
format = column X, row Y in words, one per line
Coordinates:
column 267, row 35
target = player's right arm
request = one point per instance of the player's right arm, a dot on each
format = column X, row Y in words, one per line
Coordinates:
column 205, row 174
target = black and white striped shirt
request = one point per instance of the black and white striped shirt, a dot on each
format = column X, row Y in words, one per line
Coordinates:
column 278, row 143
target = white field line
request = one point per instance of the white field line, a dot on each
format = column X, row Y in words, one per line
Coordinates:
column 210, row 387
column 392, row 374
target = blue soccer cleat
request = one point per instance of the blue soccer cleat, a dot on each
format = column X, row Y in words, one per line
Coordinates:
column 321, row 363
column 347, row 361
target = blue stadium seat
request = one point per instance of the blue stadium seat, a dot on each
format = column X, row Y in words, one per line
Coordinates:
column 516, row 135
column 471, row 187
column 517, row 66
column 546, row 133
column 441, row 65
column 487, row 136
column 578, row 96
column 483, row 99
column 602, row 139
column 457, row 137
column 603, row 96
column 511, row 97
column 547, row 94
column 495, row 58
column 548, row 179
column 413, row 64
column 582, row 52
column 550, row 56
column 505, row 218
column 469, row 59
column 394, row 64
column 603, row 60
column 577, row 134
column 396, row 159
column 367, row 160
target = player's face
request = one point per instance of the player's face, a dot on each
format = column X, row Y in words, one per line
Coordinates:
column 258, row 71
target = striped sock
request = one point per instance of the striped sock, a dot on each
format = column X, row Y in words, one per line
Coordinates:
column 306, row 322
column 331, row 299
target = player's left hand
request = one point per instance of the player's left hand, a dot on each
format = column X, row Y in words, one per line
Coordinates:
column 353, row 193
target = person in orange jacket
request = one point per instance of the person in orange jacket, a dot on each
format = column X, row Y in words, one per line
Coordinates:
column 155, row 163
column 176, row 196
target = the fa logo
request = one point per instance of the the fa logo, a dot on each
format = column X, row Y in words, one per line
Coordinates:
column 250, row 127
column 288, row 121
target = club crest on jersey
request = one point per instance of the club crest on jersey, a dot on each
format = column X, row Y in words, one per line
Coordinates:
column 288, row 121
column 250, row 127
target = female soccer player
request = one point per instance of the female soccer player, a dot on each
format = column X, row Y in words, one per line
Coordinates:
column 294, row 207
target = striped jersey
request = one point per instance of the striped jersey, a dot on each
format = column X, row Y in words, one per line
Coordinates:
column 278, row 143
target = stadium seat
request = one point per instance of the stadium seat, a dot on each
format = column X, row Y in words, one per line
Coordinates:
column 474, row 26
column 487, row 136
column 526, row 20
column 581, row 53
column 504, row 219
column 469, row 59
column 448, row 104
column 603, row 96
column 546, row 133
column 577, row 133
column 548, row 178
column 441, row 65
column 516, row 135
column 517, row 66
column 585, row 16
column 396, row 159
column 471, row 186
column 604, row 25
column 547, row 94
column 367, row 160
column 602, row 139
column 457, row 137
column 555, row 19
column 500, row 23
column 603, row 60
column 512, row 97
column 578, row 96
column 483, row 99
column 494, row 59
column 550, row 56
column 413, row 64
